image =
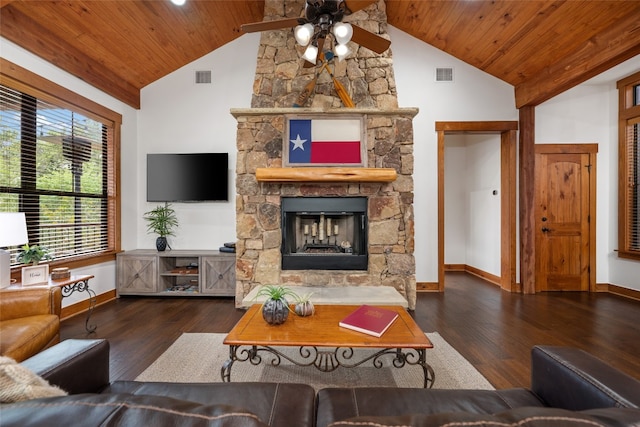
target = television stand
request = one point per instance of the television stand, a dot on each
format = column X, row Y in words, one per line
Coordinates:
column 176, row 273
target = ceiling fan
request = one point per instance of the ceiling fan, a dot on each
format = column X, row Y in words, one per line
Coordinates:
column 321, row 18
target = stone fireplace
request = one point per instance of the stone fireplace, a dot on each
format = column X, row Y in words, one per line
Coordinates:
column 270, row 247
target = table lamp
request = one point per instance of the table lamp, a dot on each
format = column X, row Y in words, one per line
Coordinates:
column 13, row 232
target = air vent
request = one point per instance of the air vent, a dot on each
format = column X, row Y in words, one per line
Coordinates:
column 203, row 77
column 444, row 74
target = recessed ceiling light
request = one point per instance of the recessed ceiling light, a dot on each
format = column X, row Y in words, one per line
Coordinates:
column 178, row 2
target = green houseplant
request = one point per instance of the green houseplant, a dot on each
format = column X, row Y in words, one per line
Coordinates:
column 161, row 221
column 33, row 254
column 275, row 309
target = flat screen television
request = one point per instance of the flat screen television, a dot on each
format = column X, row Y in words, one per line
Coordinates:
column 189, row 177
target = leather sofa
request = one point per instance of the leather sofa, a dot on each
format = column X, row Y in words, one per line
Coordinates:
column 569, row 388
column 81, row 368
column 29, row 320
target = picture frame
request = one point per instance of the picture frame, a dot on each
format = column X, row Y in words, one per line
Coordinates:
column 324, row 141
column 35, row 275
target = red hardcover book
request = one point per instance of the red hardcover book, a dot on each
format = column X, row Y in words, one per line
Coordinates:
column 369, row 320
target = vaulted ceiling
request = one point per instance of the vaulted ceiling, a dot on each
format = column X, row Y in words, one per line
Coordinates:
column 542, row 48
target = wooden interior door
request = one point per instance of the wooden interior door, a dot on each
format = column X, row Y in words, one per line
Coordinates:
column 564, row 235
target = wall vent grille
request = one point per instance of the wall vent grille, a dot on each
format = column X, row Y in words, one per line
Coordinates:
column 444, row 74
column 203, row 77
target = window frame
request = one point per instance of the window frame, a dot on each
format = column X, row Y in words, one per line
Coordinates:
column 23, row 80
column 628, row 113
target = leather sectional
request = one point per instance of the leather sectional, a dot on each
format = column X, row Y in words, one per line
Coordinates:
column 569, row 388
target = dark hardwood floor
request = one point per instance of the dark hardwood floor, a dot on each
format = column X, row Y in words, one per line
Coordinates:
column 493, row 329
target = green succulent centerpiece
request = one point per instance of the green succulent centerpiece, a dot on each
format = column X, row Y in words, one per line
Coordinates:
column 275, row 309
column 33, row 254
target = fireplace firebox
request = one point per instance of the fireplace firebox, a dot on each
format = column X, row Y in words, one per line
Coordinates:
column 324, row 233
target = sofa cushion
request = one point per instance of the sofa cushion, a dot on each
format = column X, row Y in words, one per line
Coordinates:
column 519, row 417
column 24, row 337
column 123, row 410
column 275, row 404
column 75, row 365
column 17, row 383
column 341, row 403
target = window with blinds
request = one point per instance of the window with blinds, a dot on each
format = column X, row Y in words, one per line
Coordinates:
column 55, row 167
column 629, row 179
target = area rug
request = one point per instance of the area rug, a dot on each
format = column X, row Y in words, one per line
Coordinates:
column 197, row 357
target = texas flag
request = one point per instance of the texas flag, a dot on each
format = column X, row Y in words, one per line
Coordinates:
column 324, row 141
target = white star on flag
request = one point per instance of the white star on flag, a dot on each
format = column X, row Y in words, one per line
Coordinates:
column 298, row 143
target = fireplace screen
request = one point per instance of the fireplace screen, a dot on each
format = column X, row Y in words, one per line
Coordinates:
column 324, row 233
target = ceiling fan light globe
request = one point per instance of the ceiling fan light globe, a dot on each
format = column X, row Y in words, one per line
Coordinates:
column 311, row 54
column 342, row 51
column 342, row 32
column 303, row 34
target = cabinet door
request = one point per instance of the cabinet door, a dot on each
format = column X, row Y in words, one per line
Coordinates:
column 219, row 275
column 137, row 274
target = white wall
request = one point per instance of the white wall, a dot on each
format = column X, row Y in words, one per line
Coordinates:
column 179, row 116
column 456, row 201
column 472, row 96
column 484, row 216
column 588, row 113
column 104, row 273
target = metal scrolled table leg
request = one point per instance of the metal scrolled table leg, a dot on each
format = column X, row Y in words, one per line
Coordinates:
column 83, row 286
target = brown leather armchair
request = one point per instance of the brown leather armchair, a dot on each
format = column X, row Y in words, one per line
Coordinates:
column 29, row 320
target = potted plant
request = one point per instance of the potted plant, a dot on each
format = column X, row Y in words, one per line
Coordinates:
column 33, row 254
column 304, row 307
column 275, row 309
column 161, row 221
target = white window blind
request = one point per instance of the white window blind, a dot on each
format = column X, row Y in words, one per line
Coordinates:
column 54, row 167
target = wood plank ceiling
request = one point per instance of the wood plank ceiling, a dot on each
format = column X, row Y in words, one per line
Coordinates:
column 540, row 47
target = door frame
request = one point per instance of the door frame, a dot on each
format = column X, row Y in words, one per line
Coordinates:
column 592, row 150
column 508, row 143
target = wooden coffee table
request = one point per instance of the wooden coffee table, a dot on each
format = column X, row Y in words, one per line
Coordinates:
column 324, row 344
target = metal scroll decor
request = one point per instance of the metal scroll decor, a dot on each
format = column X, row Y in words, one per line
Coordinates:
column 327, row 359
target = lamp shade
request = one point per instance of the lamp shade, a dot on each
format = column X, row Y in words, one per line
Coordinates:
column 303, row 34
column 343, row 32
column 13, row 229
column 342, row 50
column 311, row 54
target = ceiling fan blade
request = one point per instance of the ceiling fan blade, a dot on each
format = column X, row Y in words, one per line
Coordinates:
column 369, row 40
column 270, row 25
column 356, row 5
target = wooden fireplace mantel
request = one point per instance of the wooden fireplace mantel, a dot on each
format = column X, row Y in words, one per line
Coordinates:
column 326, row 174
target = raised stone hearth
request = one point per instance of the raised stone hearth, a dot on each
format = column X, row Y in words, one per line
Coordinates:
column 262, row 179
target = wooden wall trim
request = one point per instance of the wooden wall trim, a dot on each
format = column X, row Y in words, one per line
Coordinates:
column 624, row 292
column 526, row 198
column 441, row 135
column 508, row 209
column 508, row 206
column 427, row 287
column 83, row 306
